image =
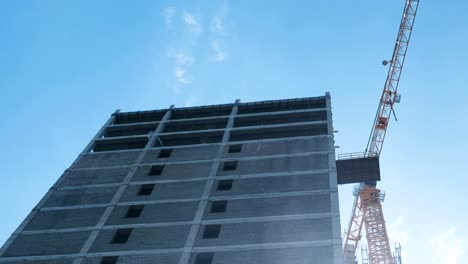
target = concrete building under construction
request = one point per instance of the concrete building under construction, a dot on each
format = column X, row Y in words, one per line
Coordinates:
column 250, row 183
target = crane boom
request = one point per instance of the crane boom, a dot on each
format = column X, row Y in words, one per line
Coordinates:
column 390, row 92
column 367, row 208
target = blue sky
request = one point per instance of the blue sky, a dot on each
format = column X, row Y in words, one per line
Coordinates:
column 67, row 65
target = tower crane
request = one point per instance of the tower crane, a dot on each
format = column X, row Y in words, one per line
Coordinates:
column 367, row 207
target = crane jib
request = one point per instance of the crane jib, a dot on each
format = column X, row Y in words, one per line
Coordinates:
column 367, row 209
column 390, row 91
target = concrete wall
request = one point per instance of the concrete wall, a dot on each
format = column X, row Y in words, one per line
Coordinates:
column 143, row 238
column 88, row 196
column 140, row 259
column 97, row 160
column 286, row 164
column 300, row 255
column 175, row 171
column 165, row 191
column 67, row 218
column 183, row 154
column 273, row 206
column 276, row 184
column 97, row 176
column 269, row 232
column 49, row 261
column 155, row 213
column 47, row 244
column 293, row 146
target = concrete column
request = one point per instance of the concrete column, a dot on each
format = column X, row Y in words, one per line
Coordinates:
column 97, row 229
column 334, row 200
column 195, row 228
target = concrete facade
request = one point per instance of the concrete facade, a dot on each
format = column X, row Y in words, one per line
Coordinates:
column 235, row 183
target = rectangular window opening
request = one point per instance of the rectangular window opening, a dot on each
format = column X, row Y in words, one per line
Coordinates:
column 211, row 231
column 235, row 148
column 218, row 207
column 230, row 165
column 121, row 236
column 146, row 189
column 165, row 153
column 134, row 211
column 224, row 185
column 204, row 258
column 156, row 170
column 109, row 260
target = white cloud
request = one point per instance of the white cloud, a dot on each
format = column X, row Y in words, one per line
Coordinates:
column 447, row 247
column 183, row 59
column 182, row 63
column 181, row 75
column 169, row 13
column 217, row 25
column 218, row 31
column 219, row 53
column 189, row 19
column 193, row 23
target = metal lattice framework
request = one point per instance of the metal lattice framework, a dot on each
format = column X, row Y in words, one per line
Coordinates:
column 397, row 256
column 376, row 231
column 364, row 254
column 353, row 234
column 389, row 94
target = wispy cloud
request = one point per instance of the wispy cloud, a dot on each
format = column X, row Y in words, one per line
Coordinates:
column 183, row 48
column 189, row 19
column 219, row 53
column 182, row 63
column 181, row 74
column 218, row 32
column 217, row 24
column 193, row 23
column 168, row 14
column 447, row 247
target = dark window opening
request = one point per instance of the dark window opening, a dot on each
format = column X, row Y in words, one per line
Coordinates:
column 224, row 185
column 134, row 211
column 109, row 260
column 130, row 130
column 195, row 125
column 283, row 105
column 204, row 111
column 204, row 258
column 218, row 207
column 138, row 117
column 230, row 165
column 156, row 170
column 121, row 236
column 235, row 148
column 120, row 144
column 279, row 132
column 146, row 189
column 165, row 153
column 197, row 138
column 211, row 231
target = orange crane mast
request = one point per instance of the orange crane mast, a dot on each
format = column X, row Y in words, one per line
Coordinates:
column 367, row 209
